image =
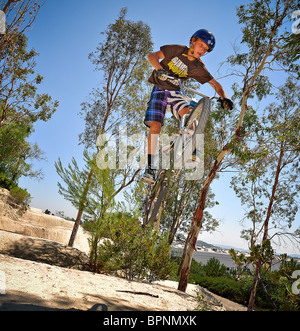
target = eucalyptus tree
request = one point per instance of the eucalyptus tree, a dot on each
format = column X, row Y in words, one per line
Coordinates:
column 268, row 46
column 121, row 59
column 19, row 100
column 20, row 103
column 268, row 184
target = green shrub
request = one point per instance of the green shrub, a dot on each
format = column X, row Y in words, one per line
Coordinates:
column 279, row 292
column 133, row 252
column 214, row 268
column 160, row 264
column 6, row 182
column 214, row 277
column 279, row 287
column 20, row 195
column 238, row 291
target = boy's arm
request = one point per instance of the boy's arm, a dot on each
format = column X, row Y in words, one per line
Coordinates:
column 226, row 103
column 154, row 58
column 219, row 88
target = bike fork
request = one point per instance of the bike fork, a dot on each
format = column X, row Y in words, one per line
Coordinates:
column 183, row 128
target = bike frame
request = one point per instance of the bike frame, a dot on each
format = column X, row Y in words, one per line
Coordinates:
column 182, row 88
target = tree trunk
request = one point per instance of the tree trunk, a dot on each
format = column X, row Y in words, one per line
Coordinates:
column 274, row 189
column 254, row 288
column 81, row 208
column 266, row 229
column 15, row 174
column 190, row 245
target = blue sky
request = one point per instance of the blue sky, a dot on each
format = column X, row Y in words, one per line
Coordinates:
column 64, row 34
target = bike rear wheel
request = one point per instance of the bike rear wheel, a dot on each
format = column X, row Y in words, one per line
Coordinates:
column 153, row 209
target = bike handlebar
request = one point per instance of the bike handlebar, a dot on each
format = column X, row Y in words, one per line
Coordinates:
column 182, row 87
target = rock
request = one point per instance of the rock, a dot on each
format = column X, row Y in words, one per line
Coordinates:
column 9, row 207
column 43, row 251
column 32, row 222
column 30, row 234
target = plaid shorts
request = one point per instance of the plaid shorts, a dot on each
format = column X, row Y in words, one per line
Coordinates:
column 162, row 100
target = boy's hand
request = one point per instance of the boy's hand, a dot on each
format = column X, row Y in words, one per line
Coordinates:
column 160, row 74
column 226, row 104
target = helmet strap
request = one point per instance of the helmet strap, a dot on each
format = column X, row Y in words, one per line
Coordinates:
column 186, row 55
column 192, row 51
column 191, row 46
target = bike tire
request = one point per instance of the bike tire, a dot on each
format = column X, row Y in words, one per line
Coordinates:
column 206, row 105
column 201, row 113
column 155, row 205
column 205, row 112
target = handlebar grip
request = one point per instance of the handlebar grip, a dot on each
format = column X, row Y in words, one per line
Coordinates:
column 170, row 77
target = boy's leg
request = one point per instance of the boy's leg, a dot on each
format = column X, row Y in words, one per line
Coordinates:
column 155, row 129
column 154, row 119
column 184, row 111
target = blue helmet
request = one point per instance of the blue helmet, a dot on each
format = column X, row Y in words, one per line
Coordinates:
column 207, row 37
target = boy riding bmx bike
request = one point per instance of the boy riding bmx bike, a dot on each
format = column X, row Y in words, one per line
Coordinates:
column 181, row 62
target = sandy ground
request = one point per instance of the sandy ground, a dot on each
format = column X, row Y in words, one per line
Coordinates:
column 35, row 272
column 36, row 286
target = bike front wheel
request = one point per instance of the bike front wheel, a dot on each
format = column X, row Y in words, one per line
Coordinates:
column 201, row 114
column 202, row 109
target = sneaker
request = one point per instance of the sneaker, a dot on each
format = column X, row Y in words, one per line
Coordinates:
column 149, row 176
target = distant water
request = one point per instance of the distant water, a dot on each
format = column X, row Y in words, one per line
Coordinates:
column 225, row 259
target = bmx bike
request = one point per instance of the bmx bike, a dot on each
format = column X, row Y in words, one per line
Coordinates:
column 180, row 151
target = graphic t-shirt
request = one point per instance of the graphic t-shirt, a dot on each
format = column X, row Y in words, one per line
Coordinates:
column 178, row 65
